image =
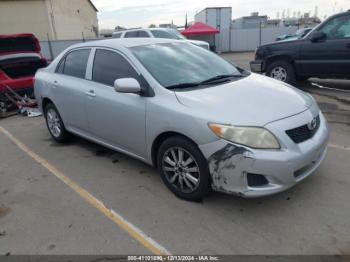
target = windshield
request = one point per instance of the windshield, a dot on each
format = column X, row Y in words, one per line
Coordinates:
column 302, row 32
column 173, row 64
column 167, row 33
column 177, row 34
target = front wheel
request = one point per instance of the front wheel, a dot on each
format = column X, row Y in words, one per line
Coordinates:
column 281, row 70
column 183, row 169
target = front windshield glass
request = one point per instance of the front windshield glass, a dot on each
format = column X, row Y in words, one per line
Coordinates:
column 177, row 34
column 302, row 32
column 167, row 33
column 182, row 63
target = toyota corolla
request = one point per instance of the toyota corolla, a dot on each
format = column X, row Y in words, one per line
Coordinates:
column 205, row 123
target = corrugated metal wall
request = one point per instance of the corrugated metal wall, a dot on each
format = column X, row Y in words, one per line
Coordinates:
column 236, row 40
column 229, row 40
column 249, row 39
column 58, row 46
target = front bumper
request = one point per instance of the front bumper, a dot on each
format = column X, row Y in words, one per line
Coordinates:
column 230, row 164
column 257, row 66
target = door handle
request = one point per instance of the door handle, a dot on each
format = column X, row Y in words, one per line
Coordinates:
column 91, row 93
column 55, row 83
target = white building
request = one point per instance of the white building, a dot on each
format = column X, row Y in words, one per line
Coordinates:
column 219, row 18
column 253, row 21
column 53, row 19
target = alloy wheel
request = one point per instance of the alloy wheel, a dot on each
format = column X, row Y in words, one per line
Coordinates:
column 181, row 169
column 279, row 73
column 53, row 122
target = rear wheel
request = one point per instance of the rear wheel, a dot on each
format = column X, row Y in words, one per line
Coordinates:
column 281, row 70
column 183, row 169
column 55, row 124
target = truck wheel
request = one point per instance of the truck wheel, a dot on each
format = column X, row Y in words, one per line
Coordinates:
column 55, row 124
column 183, row 168
column 282, row 71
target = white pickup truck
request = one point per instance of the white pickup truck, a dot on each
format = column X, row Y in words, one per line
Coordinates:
column 168, row 33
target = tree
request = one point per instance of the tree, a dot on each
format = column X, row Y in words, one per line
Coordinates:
column 152, row 26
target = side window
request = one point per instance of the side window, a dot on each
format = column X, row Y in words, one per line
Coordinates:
column 60, row 66
column 131, row 34
column 109, row 66
column 337, row 28
column 117, row 35
column 143, row 34
column 76, row 62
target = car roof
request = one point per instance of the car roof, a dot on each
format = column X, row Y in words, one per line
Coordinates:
column 142, row 29
column 125, row 42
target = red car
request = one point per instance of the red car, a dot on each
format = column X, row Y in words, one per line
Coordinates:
column 20, row 58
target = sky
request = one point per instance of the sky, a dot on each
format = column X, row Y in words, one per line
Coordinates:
column 142, row 13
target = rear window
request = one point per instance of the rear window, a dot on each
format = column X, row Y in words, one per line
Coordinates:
column 19, row 44
column 117, row 35
column 131, row 34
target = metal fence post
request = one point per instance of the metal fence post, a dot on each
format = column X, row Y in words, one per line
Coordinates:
column 50, row 47
column 260, row 31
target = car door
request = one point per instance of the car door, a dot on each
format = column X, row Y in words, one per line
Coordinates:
column 329, row 56
column 116, row 118
column 69, row 88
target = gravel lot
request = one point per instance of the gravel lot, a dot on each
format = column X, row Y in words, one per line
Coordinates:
column 39, row 214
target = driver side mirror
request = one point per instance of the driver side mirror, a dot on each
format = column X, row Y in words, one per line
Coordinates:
column 318, row 36
column 127, row 85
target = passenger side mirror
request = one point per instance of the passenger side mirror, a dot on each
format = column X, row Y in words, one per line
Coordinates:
column 318, row 36
column 127, row 85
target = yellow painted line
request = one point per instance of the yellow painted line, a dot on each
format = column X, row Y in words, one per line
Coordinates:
column 346, row 148
column 132, row 230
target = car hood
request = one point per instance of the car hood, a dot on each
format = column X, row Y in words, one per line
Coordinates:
column 197, row 42
column 293, row 38
column 252, row 101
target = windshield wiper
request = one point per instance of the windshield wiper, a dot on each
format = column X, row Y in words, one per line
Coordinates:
column 211, row 80
column 183, row 85
column 219, row 77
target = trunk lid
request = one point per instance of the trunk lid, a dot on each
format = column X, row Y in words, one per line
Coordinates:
column 20, row 43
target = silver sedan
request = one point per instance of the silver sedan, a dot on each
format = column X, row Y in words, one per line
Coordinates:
column 205, row 123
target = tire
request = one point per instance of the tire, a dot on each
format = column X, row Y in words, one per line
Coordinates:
column 172, row 172
column 283, row 71
column 55, row 124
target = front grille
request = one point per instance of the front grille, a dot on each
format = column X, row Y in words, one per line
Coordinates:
column 303, row 133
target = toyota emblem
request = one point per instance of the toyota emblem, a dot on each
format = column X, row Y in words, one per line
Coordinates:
column 312, row 125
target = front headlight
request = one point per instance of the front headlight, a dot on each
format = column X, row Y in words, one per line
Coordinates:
column 255, row 137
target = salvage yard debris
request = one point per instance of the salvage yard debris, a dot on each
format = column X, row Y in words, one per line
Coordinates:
column 11, row 102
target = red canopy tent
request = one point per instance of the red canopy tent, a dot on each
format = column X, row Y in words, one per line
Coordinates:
column 199, row 28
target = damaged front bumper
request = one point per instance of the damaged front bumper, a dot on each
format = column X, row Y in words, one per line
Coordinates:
column 236, row 169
